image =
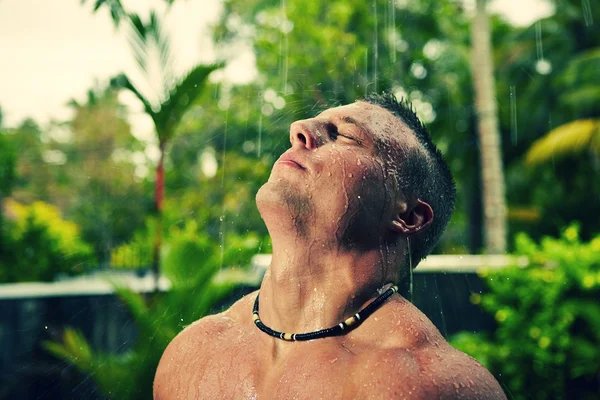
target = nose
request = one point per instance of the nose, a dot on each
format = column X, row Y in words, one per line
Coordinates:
column 305, row 133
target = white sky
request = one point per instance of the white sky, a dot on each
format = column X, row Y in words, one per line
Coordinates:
column 54, row 51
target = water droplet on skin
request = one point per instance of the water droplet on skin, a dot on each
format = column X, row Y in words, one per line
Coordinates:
column 359, row 197
column 329, row 174
column 350, row 175
column 358, row 162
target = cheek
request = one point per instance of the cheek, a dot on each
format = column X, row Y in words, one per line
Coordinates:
column 367, row 184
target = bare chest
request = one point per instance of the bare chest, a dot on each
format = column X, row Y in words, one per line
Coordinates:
column 243, row 370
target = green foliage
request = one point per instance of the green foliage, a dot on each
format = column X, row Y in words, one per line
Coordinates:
column 98, row 185
column 546, row 343
column 570, row 138
column 42, row 245
column 167, row 104
column 192, row 263
column 136, row 253
column 8, row 158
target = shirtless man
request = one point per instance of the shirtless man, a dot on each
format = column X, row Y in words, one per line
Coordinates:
column 359, row 185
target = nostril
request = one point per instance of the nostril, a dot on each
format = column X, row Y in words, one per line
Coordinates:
column 302, row 137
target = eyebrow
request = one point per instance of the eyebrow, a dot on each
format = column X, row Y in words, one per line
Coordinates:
column 352, row 121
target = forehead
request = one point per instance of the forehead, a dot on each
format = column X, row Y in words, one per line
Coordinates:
column 378, row 122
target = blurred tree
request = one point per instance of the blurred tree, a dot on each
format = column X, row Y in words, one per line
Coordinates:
column 492, row 183
column 580, row 91
column 42, row 245
column 8, row 156
column 34, row 177
column 165, row 106
column 109, row 202
column 547, row 77
column 573, row 137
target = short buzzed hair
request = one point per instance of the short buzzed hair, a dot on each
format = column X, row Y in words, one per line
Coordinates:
column 423, row 174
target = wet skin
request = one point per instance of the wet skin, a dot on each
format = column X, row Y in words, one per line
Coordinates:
column 339, row 226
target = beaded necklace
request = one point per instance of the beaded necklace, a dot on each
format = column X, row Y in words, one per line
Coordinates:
column 351, row 322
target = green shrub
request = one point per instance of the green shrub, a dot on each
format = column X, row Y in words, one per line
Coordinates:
column 40, row 245
column 135, row 254
column 192, row 261
column 547, row 343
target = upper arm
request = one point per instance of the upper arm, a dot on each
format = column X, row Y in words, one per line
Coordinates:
column 464, row 377
column 165, row 378
column 185, row 357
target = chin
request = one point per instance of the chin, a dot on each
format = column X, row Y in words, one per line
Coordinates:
column 270, row 198
column 278, row 203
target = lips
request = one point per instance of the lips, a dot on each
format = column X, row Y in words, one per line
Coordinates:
column 291, row 160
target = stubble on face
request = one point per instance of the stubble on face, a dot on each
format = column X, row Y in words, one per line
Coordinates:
column 298, row 206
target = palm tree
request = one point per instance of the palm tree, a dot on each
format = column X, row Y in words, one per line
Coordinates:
column 580, row 91
column 570, row 138
column 494, row 206
column 165, row 105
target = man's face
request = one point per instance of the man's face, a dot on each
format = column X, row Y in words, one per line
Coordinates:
column 338, row 177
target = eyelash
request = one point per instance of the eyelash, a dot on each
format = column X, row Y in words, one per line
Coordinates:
column 333, row 132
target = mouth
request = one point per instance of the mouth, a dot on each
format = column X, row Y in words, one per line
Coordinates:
column 287, row 159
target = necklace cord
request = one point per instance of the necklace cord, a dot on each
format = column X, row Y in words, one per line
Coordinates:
column 336, row 330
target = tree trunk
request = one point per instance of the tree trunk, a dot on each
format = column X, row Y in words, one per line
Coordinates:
column 159, row 192
column 494, row 207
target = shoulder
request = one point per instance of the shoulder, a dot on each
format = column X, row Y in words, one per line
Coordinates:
column 456, row 374
column 188, row 351
column 419, row 352
column 445, row 372
column 184, row 351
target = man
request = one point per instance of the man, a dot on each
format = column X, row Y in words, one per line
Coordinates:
column 361, row 196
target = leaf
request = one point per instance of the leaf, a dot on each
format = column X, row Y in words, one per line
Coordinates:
column 74, row 349
column 565, row 139
column 122, row 82
column 181, row 98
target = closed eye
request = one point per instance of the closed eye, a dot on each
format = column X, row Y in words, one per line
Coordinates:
column 333, row 133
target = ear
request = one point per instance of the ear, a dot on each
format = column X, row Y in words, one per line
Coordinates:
column 413, row 220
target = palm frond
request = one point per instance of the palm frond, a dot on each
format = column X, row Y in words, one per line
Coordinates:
column 565, row 139
column 122, row 81
column 112, row 373
column 74, row 349
column 162, row 43
column 181, row 98
column 581, row 68
column 117, row 11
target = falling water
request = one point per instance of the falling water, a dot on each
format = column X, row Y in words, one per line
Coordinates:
column 393, row 29
column 375, row 47
column 538, row 40
column 222, row 217
column 285, row 32
column 587, row 13
column 513, row 115
column 410, row 269
column 224, row 150
column 366, row 71
column 260, row 124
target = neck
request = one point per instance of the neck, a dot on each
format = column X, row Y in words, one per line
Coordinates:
column 311, row 285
